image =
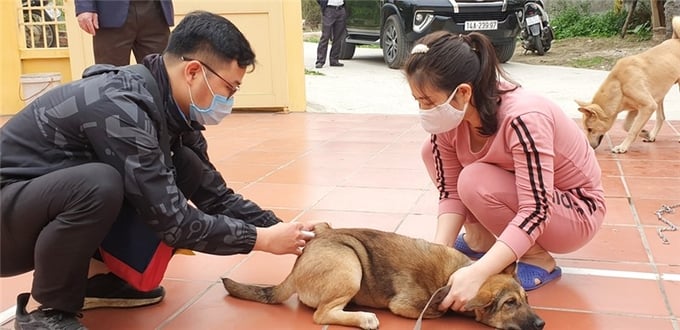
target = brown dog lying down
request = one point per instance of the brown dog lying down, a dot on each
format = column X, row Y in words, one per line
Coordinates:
column 387, row 270
column 637, row 84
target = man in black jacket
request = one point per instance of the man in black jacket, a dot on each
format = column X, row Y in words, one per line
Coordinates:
column 334, row 30
column 86, row 154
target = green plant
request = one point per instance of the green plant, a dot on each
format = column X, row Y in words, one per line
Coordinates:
column 589, row 62
column 643, row 31
column 578, row 19
column 312, row 38
column 311, row 13
column 313, row 73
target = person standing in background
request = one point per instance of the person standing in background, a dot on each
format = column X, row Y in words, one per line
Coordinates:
column 334, row 28
column 121, row 26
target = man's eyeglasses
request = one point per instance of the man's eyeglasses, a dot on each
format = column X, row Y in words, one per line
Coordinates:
column 233, row 88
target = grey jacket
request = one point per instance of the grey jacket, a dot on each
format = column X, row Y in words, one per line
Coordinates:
column 104, row 117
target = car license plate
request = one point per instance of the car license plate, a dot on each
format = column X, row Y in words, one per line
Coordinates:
column 481, row 25
column 531, row 20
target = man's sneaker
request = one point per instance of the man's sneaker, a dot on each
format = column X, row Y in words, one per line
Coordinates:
column 109, row 290
column 44, row 318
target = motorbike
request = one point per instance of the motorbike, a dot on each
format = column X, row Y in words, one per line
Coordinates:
column 39, row 17
column 537, row 34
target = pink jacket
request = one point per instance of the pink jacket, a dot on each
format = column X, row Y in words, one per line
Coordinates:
column 543, row 147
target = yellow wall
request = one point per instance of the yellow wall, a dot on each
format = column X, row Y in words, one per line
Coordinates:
column 276, row 85
column 10, row 69
column 17, row 61
column 292, row 14
column 37, row 65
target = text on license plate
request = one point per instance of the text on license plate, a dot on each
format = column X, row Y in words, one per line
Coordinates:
column 481, row 25
column 531, row 20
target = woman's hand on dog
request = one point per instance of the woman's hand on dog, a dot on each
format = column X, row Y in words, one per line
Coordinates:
column 465, row 284
column 283, row 238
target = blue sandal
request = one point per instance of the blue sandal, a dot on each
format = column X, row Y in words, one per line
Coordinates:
column 461, row 246
column 528, row 274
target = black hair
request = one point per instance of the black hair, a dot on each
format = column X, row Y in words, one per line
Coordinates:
column 447, row 60
column 204, row 35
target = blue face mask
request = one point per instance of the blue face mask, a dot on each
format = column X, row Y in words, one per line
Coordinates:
column 219, row 108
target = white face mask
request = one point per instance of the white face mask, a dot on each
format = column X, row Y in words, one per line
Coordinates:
column 219, row 108
column 443, row 117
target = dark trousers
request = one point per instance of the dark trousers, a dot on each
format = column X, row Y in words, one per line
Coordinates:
column 144, row 32
column 53, row 224
column 334, row 29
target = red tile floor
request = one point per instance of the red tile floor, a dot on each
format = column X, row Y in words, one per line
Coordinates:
column 365, row 171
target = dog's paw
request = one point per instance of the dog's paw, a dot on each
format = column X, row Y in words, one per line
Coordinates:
column 369, row 321
column 619, row 150
column 646, row 137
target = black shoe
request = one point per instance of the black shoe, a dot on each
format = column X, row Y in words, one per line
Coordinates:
column 44, row 318
column 109, row 290
column 337, row 64
column 318, row 66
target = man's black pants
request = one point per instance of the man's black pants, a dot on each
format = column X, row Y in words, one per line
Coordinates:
column 334, row 29
column 53, row 224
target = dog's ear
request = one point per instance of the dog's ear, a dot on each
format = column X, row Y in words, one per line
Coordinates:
column 591, row 110
column 483, row 299
column 321, row 226
column 584, row 108
column 581, row 104
column 511, row 269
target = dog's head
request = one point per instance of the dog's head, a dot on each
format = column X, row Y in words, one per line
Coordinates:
column 595, row 122
column 502, row 303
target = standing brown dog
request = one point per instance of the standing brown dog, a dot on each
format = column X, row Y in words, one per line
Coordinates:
column 637, row 84
column 387, row 270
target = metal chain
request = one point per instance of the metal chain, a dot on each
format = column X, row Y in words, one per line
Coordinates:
column 669, row 226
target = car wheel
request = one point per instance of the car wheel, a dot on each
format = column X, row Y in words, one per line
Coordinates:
column 505, row 51
column 394, row 44
column 347, row 51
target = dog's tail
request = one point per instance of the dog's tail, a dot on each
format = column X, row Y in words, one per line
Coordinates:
column 272, row 294
column 676, row 27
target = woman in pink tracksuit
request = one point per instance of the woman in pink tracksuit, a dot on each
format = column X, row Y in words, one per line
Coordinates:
column 509, row 165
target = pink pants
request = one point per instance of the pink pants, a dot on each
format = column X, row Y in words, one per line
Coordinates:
column 490, row 195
